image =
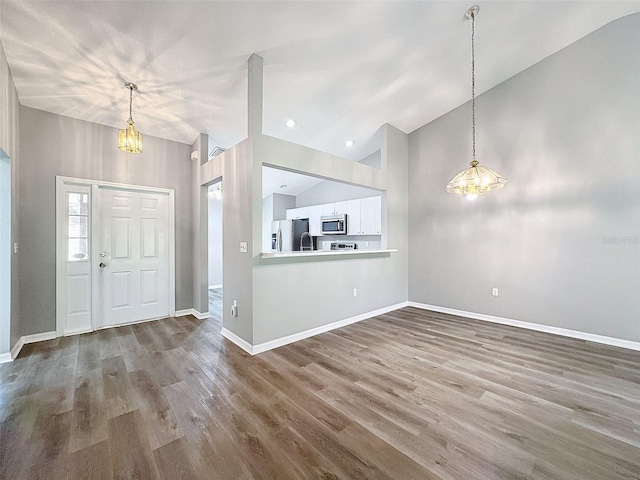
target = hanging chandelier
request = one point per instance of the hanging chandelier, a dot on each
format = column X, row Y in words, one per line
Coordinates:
column 475, row 180
column 128, row 139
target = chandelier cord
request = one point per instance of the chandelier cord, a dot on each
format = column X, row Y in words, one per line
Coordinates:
column 130, row 101
column 473, row 83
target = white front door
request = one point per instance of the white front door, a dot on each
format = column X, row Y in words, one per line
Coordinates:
column 133, row 256
column 115, row 254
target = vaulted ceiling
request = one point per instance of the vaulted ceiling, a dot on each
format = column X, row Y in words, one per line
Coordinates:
column 340, row 69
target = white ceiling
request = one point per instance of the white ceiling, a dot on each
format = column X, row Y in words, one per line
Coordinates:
column 340, row 69
column 285, row 182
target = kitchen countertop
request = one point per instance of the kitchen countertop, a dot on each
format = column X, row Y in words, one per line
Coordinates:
column 328, row 253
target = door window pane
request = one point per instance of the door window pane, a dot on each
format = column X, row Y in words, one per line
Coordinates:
column 78, row 203
column 77, row 226
column 78, row 249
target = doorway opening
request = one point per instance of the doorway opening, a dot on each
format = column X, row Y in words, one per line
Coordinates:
column 5, row 255
column 214, row 242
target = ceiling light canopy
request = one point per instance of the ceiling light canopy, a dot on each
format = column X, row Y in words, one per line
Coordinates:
column 129, row 140
column 290, row 123
column 475, row 180
column 349, row 143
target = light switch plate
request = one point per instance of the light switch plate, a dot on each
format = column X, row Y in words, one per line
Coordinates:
column 244, row 248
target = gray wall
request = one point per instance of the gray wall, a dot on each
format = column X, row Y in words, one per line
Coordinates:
column 329, row 191
column 281, row 203
column 9, row 135
column 237, row 212
column 53, row 145
column 562, row 240
column 200, row 233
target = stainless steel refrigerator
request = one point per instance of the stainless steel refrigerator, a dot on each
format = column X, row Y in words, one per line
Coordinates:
column 286, row 234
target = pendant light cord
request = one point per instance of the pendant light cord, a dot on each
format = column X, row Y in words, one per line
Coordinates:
column 473, row 83
column 130, row 101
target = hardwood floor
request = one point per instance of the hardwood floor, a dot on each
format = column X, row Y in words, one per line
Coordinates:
column 406, row 395
column 215, row 302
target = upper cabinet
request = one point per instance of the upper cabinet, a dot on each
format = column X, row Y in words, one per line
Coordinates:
column 297, row 213
column 364, row 215
column 371, row 216
column 353, row 217
column 315, row 222
column 336, row 208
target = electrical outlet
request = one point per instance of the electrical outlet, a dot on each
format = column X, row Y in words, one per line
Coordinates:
column 494, row 292
column 234, row 309
column 244, row 247
column 355, row 292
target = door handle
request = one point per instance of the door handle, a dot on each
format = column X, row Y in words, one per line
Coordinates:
column 102, row 265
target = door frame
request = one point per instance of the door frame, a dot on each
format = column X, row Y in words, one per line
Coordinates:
column 95, row 185
column 6, row 252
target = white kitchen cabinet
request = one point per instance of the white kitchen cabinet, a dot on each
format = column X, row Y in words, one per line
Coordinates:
column 370, row 216
column 336, row 208
column 303, row 212
column 364, row 215
column 353, row 217
column 315, row 224
column 296, row 213
column 339, row 208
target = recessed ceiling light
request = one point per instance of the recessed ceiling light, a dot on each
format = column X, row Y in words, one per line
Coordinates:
column 290, row 123
column 349, row 143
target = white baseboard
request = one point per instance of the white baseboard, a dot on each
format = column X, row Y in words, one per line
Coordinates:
column 243, row 344
column 192, row 311
column 5, row 357
column 565, row 332
column 78, row 332
column 279, row 342
column 37, row 337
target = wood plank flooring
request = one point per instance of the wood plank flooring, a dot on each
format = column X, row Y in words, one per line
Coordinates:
column 407, row 395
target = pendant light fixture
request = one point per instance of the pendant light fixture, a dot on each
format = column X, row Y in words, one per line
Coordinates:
column 128, row 139
column 475, row 180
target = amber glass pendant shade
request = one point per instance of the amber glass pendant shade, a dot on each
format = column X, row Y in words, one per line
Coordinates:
column 130, row 140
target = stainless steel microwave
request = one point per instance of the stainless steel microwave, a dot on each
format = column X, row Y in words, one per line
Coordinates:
column 334, row 224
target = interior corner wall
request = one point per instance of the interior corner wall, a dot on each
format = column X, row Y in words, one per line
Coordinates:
column 53, row 145
column 237, row 226
column 562, row 241
column 200, row 219
column 395, row 219
column 9, row 142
